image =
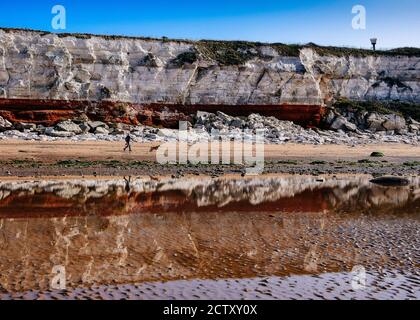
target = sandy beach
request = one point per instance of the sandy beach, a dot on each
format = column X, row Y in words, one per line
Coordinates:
column 28, row 159
column 102, row 150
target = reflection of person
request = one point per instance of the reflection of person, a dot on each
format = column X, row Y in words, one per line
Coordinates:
column 128, row 142
column 127, row 184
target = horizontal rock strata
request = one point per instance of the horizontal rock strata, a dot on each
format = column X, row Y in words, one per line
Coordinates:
column 47, row 78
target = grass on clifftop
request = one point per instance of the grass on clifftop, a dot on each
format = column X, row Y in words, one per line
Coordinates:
column 239, row 52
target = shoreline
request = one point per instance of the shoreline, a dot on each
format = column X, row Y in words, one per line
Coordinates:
column 98, row 158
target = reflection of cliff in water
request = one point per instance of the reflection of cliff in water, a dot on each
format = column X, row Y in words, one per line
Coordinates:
column 269, row 194
column 189, row 229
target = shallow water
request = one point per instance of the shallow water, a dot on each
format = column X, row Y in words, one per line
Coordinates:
column 137, row 231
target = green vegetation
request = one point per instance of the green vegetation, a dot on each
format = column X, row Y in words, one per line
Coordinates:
column 184, row 58
column 367, row 161
column 24, row 163
column 412, row 164
column 229, row 53
column 84, row 164
column 288, row 162
column 148, row 61
column 318, row 162
column 403, row 109
column 345, row 51
column 104, row 163
column 239, row 52
column 377, row 154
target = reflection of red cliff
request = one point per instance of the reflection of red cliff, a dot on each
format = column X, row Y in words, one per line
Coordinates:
column 50, row 112
column 50, row 205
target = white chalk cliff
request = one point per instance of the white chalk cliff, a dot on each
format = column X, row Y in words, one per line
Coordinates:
column 36, row 65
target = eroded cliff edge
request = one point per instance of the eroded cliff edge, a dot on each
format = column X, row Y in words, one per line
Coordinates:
column 47, row 78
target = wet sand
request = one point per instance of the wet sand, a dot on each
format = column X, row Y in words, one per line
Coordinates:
column 386, row 285
column 43, row 159
column 215, row 238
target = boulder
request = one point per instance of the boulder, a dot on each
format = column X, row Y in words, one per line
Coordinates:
column 167, row 133
column 341, row 123
column 413, row 125
column 413, row 128
column 219, row 125
column 26, row 126
column 385, row 122
column 5, row 124
column 224, row 117
column 68, row 126
column 204, row 117
column 330, row 117
column 237, row 123
column 95, row 124
column 40, row 129
column 394, row 122
column 412, row 121
column 58, row 134
column 374, row 122
column 84, row 127
column 101, row 130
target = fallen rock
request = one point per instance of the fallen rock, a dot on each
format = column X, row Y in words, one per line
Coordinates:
column 167, row 133
column 5, row 124
column 68, row 126
column 237, row 123
column 84, row 127
column 95, row 124
column 413, row 125
column 204, row 117
column 330, row 117
column 226, row 119
column 25, row 126
column 374, row 122
column 101, row 130
column 40, row 129
column 58, row 134
column 394, row 122
column 341, row 123
column 385, row 122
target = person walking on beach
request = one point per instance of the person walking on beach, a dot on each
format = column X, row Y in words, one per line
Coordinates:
column 127, row 142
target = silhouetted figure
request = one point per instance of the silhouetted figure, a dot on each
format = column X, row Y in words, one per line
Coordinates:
column 127, row 184
column 127, row 142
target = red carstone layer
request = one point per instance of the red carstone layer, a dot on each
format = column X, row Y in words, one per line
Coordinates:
column 49, row 205
column 49, row 112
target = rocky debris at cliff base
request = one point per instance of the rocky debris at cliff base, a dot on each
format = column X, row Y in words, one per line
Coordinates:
column 354, row 121
column 205, row 124
column 5, row 125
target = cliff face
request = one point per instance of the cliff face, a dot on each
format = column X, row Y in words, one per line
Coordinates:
column 47, row 76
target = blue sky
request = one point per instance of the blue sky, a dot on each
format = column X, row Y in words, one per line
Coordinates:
column 394, row 23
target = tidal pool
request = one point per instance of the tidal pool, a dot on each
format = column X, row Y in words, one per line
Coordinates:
column 192, row 237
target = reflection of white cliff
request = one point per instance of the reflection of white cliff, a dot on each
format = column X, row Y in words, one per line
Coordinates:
column 223, row 191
